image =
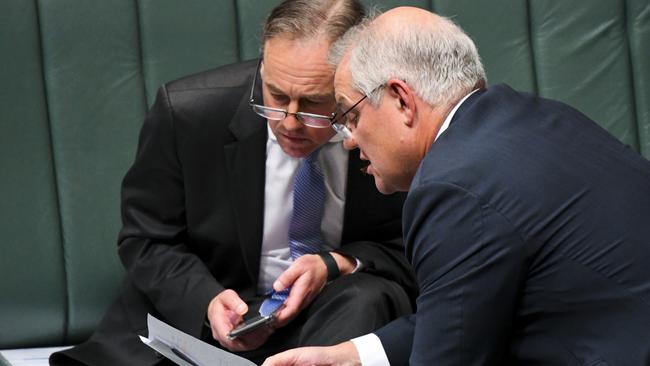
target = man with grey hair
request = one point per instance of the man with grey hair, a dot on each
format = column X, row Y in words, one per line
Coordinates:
column 526, row 223
column 240, row 187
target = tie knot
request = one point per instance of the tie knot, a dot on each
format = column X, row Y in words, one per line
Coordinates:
column 312, row 158
column 310, row 166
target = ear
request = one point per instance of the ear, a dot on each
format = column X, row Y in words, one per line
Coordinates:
column 404, row 97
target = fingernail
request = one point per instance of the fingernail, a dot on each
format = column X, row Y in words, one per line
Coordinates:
column 241, row 309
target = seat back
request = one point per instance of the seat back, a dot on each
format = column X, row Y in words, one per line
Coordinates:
column 77, row 77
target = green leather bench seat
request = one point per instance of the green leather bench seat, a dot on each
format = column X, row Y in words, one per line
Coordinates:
column 77, row 77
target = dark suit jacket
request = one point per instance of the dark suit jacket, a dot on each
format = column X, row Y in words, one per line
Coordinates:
column 528, row 227
column 192, row 210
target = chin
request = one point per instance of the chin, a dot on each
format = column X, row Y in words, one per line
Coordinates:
column 297, row 152
column 383, row 188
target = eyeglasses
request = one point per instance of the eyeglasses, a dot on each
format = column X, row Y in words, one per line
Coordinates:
column 277, row 114
column 345, row 122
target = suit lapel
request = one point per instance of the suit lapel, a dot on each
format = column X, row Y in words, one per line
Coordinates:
column 246, row 166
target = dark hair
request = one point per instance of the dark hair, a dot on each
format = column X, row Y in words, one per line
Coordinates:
column 304, row 19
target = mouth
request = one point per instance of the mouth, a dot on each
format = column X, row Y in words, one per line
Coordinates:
column 293, row 138
column 364, row 158
column 364, row 170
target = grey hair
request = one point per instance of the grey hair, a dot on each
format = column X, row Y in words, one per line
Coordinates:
column 340, row 47
column 306, row 19
column 441, row 64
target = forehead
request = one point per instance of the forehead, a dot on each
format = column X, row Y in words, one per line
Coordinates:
column 298, row 66
column 344, row 90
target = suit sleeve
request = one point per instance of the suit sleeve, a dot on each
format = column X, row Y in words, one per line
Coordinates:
column 397, row 339
column 152, row 242
column 385, row 259
column 470, row 266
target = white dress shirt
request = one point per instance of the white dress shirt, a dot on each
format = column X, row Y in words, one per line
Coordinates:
column 278, row 204
column 371, row 352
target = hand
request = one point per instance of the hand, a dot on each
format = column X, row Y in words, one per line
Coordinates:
column 343, row 354
column 225, row 312
column 306, row 276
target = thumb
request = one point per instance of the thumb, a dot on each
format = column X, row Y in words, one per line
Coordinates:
column 286, row 279
column 232, row 301
column 285, row 358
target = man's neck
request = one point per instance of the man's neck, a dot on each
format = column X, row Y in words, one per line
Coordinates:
column 435, row 119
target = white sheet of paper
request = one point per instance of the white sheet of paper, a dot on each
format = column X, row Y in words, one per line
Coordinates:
column 28, row 356
column 164, row 338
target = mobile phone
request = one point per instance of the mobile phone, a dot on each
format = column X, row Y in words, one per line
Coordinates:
column 250, row 325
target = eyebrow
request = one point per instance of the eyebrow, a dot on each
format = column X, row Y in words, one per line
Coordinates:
column 324, row 97
column 344, row 103
column 342, row 106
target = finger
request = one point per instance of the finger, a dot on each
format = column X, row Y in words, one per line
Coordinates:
column 231, row 301
column 222, row 316
column 226, row 321
column 220, row 330
column 232, row 344
column 294, row 302
column 286, row 358
column 257, row 337
column 288, row 277
column 296, row 297
column 237, row 345
column 249, row 341
column 341, row 354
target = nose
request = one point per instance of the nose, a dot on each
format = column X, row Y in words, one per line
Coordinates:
column 350, row 144
column 291, row 122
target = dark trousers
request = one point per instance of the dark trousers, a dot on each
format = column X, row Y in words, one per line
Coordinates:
column 351, row 306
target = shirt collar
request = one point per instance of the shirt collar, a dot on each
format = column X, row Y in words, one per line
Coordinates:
column 447, row 121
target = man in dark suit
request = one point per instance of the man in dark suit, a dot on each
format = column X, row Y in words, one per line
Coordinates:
column 527, row 224
column 207, row 205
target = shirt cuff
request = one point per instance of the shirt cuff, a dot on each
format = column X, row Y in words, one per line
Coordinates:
column 371, row 352
column 358, row 266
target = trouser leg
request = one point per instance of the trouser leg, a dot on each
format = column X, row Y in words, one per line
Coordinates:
column 349, row 307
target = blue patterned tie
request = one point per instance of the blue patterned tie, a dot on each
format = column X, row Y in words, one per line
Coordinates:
column 304, row 228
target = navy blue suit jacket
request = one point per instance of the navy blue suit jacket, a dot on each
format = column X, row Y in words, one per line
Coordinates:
column 528, row 226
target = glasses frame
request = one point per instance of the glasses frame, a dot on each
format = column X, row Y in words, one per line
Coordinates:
column 343, row 128
column 300, row 116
